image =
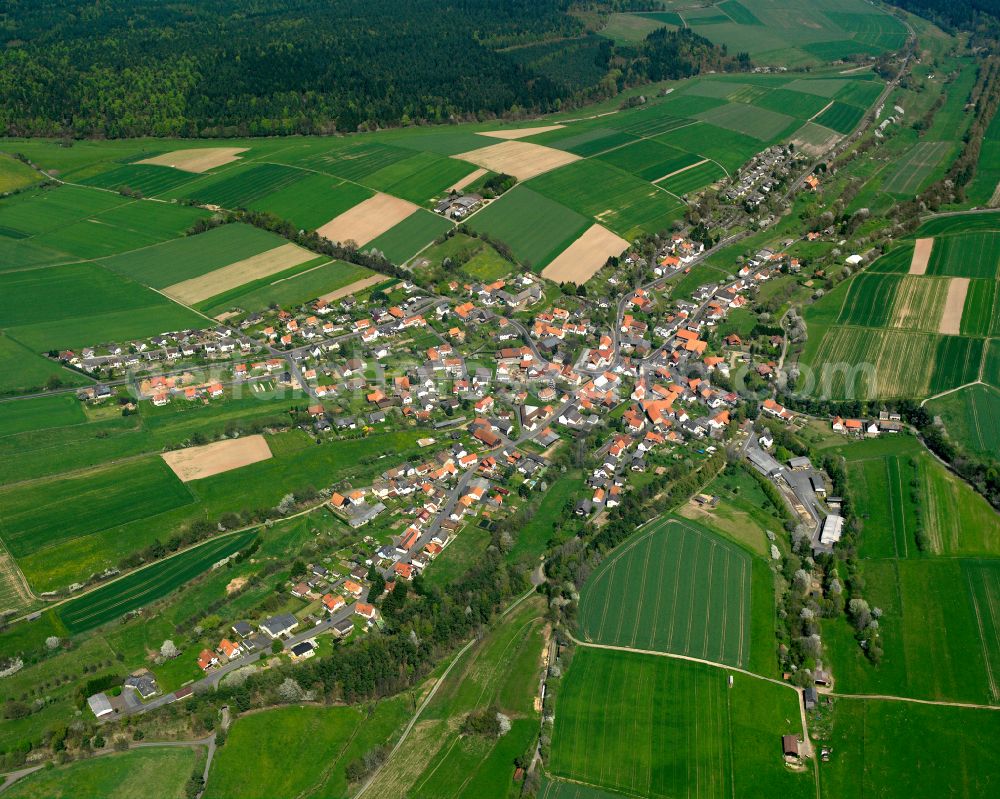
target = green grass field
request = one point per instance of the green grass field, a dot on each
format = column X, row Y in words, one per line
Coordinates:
column 149, row 179
column 869, row 300
column 978, row 317
column 673, row 588
column 970, row 417
column 649, row 159
column 730, row 148
column 583, row 140
column 58, row 410
column 643, row 725
column 45, row 514
column 759, row 123
column 841, row 117
column 324, row 740
column 967, row 255
column 535, row 227
column 622, row 202
column 939, row 632
column 533, row 538
column 690, row 180
column 79, row 304
column 893, row 750
column 23, row 371
column 288, row 289
column 193, row 256
column 148, row 585
column 313, row 201
column 240, row 186
column 414, row 233
column 140, row 773
column 15, row 175
column 907, row 175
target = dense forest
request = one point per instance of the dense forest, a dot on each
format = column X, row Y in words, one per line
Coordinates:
column 980, row 17
column 120, row 68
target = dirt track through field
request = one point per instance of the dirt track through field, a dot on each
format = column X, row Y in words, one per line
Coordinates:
column 518, row 133
column 584, row 257
column 921, row 256
column 255, row 267
column 368, row 220
column 197, row 159
column 195, row 463
column 521, row 159
column 682, row 169
column 951, row 319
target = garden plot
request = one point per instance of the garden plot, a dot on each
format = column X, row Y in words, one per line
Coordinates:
column 521, row 159
column 229, row 277
column 584, row 257
column 368, row 220
column 197, row 159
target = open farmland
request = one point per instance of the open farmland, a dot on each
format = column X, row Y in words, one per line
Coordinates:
column 150, row 180
column 869, row 300
column 966, row 255
column 404, row 240
column 15, row 175
column 35, row 414
column 23, row 371
column 728, row 147
column 140, row 588
column 37, row 515
column 585, row 141
column 533, row 226
column 893, row 750
column 919, row 304
column 234, row 275
column 162, row 772
column 970, row 417
column 908, row 174
column 649, row 159
column 672, row 588
column 939, row 633
column 193, row 256
column 760, row 123
column 289, row 290
column 194, row 463
column 80, row 304
column 196, row 159
column 367, row 220
column 651, row 726
column 619, row 201
column 841, row 117
column 584, row 257
column 330, row 736
column 981, row 309
column 693, row 178
column 312, row 201
column 239, row 187
column 521, row 159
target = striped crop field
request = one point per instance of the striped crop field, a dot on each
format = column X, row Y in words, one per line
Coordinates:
column 673, row 588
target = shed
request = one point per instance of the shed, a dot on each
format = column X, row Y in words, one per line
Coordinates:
column 790, row 746
column 100, row 705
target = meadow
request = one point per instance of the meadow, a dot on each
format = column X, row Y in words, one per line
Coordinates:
column 841, row 117
column 695, row 178
column 650, row 726
column 617, row 200
column 15, row 175
column 649, row 159
column 535, row 227
column 58, row 410
column 312, row 201
column 729, row 148
column 36, row 514
column 288, row 289
column 142, row 587
column 148, row 179
column 894, row 750
column 760, row 123
column 533, row 537
column 161, row 772
column 970, row 417
column 239, row 186
column 192, row 256
column 502, row 669
column 672, row 588
column 908, row 174
column 973, row 255
column 23, row 371
column 324, row 740
column 405, row 239
column 939, row 636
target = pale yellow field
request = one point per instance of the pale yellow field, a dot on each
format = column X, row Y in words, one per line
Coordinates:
column 877, row 363
column 518, row 133
column 257, row 266
column 353, row 288
column 954, row 304
column 521, row 159
column 195, row 463
column 472, row 177
column 584, row 257
column 197, row 159
column 918, row 304
column 367, row 220
column 921, row 256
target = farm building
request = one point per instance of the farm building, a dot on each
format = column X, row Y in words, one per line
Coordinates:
column 832, row 529
column 100, row 705
column 790, row 747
